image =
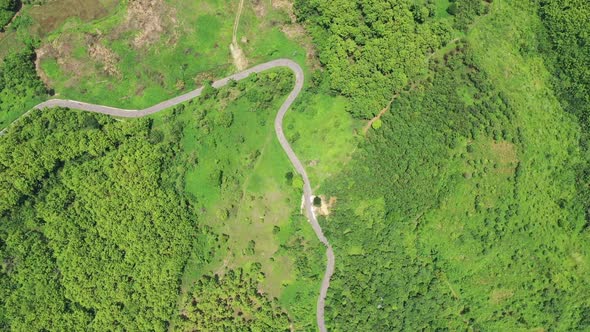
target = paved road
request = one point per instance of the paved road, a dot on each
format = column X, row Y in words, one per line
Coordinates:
column 308, row 197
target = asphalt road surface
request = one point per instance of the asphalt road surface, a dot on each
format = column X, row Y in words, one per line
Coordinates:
column 307, row 193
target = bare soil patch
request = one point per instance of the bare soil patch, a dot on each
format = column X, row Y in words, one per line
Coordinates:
column 292, row 30
column 326, row 207
column 259, row 8
column 500, row 295
column 103, row 55
column 40, row 53
column 297, row 32
column 54, row 13
column 507, row 157
column 61, row 50
column 287, row 6
column 152, row 19
column 238, row 56
column 505, row 151
column 202, row 77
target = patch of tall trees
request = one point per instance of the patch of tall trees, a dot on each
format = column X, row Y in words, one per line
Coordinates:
column 20, row 86
column 231, row 302
column 391, row 274
column 567, row 52
column 372, row 49
column 93, row 234
column 7, row 10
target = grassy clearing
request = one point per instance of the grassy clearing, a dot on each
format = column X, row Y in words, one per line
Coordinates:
column 47, row 17
column 235, row 173
column 151, row 54
column 322, row 133
column 529, row 186
column 53, row 14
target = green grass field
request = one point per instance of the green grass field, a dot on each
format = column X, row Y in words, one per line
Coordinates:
column 234, row 171
column 323, row 134
column 536, row 175
column 235, row 176
column 112, row 61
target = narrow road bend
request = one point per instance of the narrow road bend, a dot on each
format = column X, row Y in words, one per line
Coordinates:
column 307, row 192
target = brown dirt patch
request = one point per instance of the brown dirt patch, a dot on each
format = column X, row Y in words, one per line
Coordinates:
column 505, row 151
column 327, row 205
column 152, row 19
column 287, row 6
column 103, row 55
column 53, row 14
column 297, row 32
column 238, row 55
column 240, row 60
column 294, row 30
column 259, row 8
column 40, row 53
column 61, row 50
column 139, row 90
column 200, row 78
column 500, row 295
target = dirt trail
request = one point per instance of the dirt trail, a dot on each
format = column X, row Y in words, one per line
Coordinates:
column 411, row 87
column 240, row 60
column 379, row 115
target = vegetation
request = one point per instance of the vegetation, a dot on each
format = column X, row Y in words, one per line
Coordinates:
column 465, row 209
column 372, row 49
column 233, row 168
column 144, row 53
column 58, row 217
column 20, row 86
column 7, row 10
column 567, row 54
column 93, row 233
column 218, row 155
column 231, row 302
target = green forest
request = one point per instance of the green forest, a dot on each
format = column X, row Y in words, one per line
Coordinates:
column 139, row 224
column 467, row 207
column 20, row 86
column 231, row 302
column 7, row 10
column 94, row 234
column 450, row 137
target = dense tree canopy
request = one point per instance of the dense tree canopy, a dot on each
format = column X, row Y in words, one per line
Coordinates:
column 438, row 224
column 567, row 50
column 20, row 86
column 569, row 39
column 94, row 236
column 397, row 271
column 232, row 302
column 372, row 49
column 7, row 10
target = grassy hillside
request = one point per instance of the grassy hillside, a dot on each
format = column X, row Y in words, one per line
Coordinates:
column 462, row 205
column 147, row 52
column 235, row 171
column 463, row 210
column 211, row 170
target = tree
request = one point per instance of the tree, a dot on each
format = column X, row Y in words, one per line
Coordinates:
column 377, row 124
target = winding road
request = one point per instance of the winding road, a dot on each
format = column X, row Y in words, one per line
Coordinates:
column 307, row 193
